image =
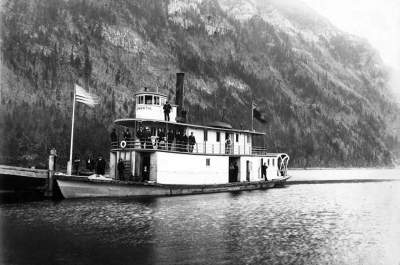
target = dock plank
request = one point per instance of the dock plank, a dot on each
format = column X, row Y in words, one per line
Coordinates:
column 23, row 172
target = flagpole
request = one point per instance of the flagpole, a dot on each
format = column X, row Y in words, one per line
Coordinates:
column 252, row 112
column 69, row 167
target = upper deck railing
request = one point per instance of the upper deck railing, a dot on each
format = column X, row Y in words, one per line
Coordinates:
column 198, row 148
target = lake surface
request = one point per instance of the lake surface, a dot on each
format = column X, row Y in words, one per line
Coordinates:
column 340, row 223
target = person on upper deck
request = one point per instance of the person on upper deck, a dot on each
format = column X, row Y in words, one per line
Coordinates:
column 178, row 143
column 114, row 138
column 140, row 136
column 184, row 140
column 127, row 136
column 228, row 145
column 147, row 138
column 192, row 142
column 161, row 138
column 167, row 109
column 170, row 138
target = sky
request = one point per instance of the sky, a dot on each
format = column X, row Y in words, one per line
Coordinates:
column 376, row 20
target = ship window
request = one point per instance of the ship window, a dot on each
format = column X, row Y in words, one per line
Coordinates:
column 148, row 99
column 208, row 162
column 237, row 137
column 153, row 131
column 205, row 135
column 218, row 137
column 141, row 99
column 156, row 100
column 268, row 161
column 273, row 162
column 248, row 138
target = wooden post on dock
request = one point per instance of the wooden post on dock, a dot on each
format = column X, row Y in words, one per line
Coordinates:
column 49, row 189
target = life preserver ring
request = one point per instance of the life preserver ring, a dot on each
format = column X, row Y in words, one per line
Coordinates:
column 123, row 144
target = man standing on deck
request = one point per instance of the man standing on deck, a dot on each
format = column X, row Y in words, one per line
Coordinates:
column 167, row 109
column 101, row 166
column 121, row 168
column 235, row 172
column 90, row 163
column 264, row 171
column 77, row 161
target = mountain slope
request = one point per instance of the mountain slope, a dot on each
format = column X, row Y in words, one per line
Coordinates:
column 324, row 93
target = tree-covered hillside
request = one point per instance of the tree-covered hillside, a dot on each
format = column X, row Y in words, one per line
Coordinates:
column 323, row 93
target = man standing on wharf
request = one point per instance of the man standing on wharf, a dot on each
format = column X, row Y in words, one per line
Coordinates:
column 167, row 109
column 53, row 152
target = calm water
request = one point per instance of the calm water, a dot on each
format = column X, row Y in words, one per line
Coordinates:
column 347, row 223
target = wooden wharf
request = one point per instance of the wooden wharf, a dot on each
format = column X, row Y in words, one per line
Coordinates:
column 24, row 179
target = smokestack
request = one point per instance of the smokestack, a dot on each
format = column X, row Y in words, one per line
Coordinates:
column 179, row 95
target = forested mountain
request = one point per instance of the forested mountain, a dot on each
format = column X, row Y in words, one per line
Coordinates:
column 324, row 93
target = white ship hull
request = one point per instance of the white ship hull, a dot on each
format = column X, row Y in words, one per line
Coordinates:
column 81, row 187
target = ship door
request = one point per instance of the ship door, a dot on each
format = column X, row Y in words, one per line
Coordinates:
column 127, row 159
column 233, row 169
column 248, row 169
column 146, row 168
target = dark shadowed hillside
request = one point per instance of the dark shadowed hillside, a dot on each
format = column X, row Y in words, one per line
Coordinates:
column 324, row 93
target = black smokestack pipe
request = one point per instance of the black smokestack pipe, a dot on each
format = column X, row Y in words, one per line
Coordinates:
column 179, row 93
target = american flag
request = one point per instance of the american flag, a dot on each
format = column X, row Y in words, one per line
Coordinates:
column 84, row 97
column 254, row 105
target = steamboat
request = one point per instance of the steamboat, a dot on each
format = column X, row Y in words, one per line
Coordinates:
column 160, row 161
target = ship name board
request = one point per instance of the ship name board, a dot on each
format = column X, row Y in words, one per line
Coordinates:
column 143, row 108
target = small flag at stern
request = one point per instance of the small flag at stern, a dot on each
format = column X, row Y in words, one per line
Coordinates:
column 257, row 114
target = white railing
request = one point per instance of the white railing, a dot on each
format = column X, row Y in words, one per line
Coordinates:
column 199, row 148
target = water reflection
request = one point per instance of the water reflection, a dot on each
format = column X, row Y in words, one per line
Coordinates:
column 353, row 223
